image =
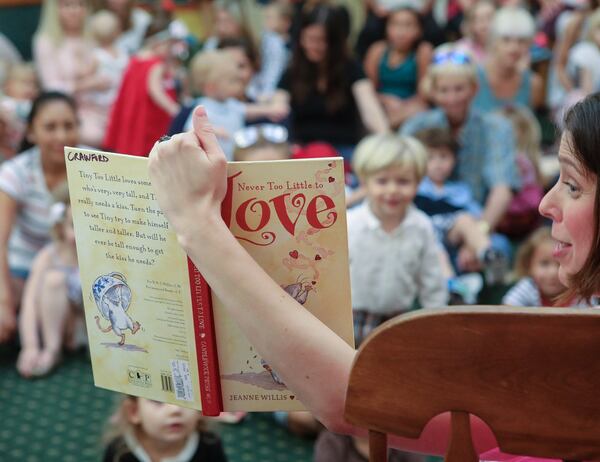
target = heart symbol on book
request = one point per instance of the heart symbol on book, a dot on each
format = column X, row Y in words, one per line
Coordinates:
column 292, row 397
column 331, row 179
column 294, row 254
column 314, row 282
column 317, row 257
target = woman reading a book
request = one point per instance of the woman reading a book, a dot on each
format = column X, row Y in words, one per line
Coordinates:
column 189, row 175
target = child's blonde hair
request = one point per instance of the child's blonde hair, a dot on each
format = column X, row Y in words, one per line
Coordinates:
column 528, row 133
column 208, row 67
column 448, row 60
column 378, row 152
column 527, row 250
column 105, row 26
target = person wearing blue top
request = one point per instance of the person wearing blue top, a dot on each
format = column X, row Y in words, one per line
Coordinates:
column 505, row 78
column 486, row 153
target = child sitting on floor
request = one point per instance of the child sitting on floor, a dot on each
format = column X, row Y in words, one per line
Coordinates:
column 52, row 300
column 537, row 270
column 215, row 75
column 144, row 430
column 454, row 211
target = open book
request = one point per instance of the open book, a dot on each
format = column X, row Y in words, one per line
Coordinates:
column 148, row 311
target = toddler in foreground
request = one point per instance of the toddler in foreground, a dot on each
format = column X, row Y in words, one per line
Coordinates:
column 145, row 430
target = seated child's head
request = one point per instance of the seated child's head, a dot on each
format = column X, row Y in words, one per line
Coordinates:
column 21, row 82
column 215, row 75
column 478, row 21
column 535, row 260
column 164, row 424
column 261, row 142
column 390, row 167
column 451, row 81
column 105, row 27
column 278, row 17
column 442, row 149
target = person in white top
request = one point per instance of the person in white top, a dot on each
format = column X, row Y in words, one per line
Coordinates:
column 394, row 253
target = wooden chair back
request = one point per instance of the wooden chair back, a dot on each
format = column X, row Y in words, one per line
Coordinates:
column 532, row 374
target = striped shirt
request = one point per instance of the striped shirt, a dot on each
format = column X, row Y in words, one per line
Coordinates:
column 23, row 180
column 526, row 293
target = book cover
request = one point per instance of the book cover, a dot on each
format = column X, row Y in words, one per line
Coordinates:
column 139, row 292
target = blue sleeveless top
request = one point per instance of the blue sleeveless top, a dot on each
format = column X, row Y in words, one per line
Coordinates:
column 401, row 80
column 486, row 101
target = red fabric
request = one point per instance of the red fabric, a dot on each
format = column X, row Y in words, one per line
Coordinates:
column 136, row 121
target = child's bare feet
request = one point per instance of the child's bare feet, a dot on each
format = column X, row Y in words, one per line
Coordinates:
column 27, row 361
column 47, row 361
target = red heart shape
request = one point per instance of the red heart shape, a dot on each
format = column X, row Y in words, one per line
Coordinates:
column 331, row 179
column 294, row 254
column 317, row 257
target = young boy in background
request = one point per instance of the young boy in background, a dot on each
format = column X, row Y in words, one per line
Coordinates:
column 394, row 254
column 455, row 213
column 215, row 75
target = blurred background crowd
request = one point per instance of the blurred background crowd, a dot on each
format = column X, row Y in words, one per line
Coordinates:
column 446, row 113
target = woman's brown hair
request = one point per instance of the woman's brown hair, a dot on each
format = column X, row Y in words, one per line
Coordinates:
column 583, row 138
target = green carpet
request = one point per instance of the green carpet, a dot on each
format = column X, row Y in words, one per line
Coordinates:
column 61, row 418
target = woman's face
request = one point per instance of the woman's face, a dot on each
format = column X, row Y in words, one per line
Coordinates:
column 119, row 7
column 482, row 20
column 454, row 93
column 570, row 206
column 313, row 41
column 244, row 66
column 71, row 15
column 403, row 30
column 511, row 50
column 54, row 127
column 225, row 25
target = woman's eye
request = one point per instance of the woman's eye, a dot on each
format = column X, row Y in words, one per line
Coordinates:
column 573, row 189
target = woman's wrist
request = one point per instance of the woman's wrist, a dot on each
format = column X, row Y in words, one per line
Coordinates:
column 199, row 230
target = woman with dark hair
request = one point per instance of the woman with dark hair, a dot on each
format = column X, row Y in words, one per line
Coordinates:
column 329, row 96
column 189, row 177
column 26, row 185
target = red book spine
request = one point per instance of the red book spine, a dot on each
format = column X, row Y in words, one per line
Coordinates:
column 206, row 344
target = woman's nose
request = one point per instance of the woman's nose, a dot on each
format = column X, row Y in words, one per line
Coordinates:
column 549, row 206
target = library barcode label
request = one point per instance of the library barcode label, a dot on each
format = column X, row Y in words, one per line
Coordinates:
column 182, row 380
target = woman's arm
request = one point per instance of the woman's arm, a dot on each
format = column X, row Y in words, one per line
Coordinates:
column 537, row 91
column 188, row 174
column 569, row 38
column 371, row 112
column 157, row 93
column 372, row 60
column 8, row 320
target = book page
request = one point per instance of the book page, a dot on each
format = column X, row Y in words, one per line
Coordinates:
column 134, row 278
